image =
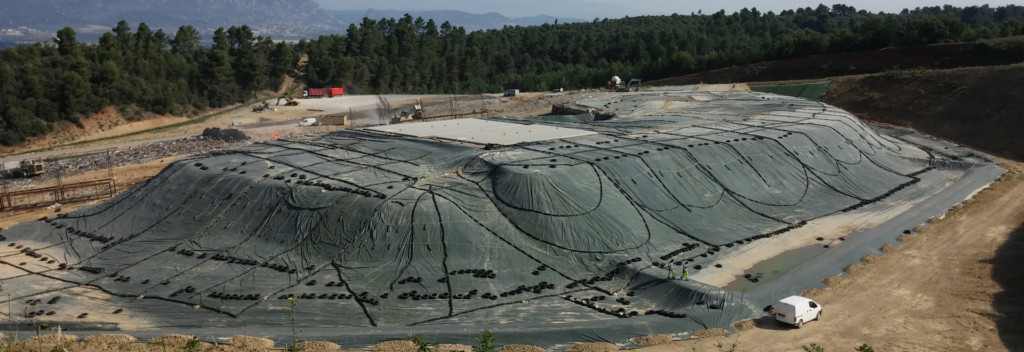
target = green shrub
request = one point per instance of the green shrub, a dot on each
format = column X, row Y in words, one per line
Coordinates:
column 484, row 342
column 192, row 345
column 422, row 344
column 813, row 348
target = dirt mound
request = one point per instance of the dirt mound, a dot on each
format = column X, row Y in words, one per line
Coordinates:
column 652, row 340
column 448, row 347
column 54, row 338
column 111, row 339
column 593, row 347
column 224, row 134
column 251, row 342
column 520, row 348
column 744, row 325
column 715, row 332
column 172, row 340
column 394, row 346
column 407, row 346
column 317, row 346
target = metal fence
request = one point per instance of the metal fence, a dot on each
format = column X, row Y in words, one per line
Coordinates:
column 61, row 194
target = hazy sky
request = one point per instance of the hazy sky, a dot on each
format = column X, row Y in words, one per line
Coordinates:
column 588, row 9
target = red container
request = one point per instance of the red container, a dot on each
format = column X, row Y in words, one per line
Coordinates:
column 336, row 91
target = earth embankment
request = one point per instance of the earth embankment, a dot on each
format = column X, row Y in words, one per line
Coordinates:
column 978, row 106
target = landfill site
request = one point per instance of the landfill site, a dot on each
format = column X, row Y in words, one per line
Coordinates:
column 625, row 215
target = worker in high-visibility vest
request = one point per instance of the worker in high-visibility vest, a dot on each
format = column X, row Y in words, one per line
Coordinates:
column 686, row 273
column 671, row 273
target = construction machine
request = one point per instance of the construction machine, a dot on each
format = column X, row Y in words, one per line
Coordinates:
column 288, row 101
column 418, row 112
column 616, row 84
column 26, row 168
column 31, row 168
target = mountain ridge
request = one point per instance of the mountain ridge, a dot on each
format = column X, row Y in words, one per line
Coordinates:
column 279, row 19
column 469, row 21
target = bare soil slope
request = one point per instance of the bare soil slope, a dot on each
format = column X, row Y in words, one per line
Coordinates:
column 977, row 106
column 107, row 123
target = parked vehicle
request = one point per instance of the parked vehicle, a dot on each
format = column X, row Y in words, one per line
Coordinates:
column 314, row 93
column 797, row 310
column 511, row 92
column 312, row 121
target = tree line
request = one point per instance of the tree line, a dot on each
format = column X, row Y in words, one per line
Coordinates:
column 408, row 55
column 150, row 71
column 141, row 69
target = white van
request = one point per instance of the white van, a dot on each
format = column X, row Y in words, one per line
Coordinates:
column 796, row 310
column 312, row 121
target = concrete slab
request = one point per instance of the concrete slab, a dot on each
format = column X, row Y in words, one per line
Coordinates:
column 482, row 131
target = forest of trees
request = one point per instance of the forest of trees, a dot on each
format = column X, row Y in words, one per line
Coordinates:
column 145, row 69
column 67, row 80
column 417, row 56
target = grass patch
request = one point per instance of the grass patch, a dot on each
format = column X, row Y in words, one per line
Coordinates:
column 809, row 91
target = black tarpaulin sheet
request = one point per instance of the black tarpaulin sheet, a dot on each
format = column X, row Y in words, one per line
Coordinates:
column 545, row 242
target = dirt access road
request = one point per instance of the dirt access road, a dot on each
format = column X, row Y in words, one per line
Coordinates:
column 954, row 287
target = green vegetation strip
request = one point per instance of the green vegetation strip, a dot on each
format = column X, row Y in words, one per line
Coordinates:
column 809, row 91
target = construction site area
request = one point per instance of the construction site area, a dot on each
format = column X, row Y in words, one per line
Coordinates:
column 547, row 218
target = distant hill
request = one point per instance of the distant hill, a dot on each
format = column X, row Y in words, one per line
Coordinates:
column 278, row 18
column 35, row 21
column 469, row 21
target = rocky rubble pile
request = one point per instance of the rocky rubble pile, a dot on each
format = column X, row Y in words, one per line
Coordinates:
column 128, row 156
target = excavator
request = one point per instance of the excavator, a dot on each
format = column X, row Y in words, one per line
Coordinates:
column 618, row 85
column 288, row 101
